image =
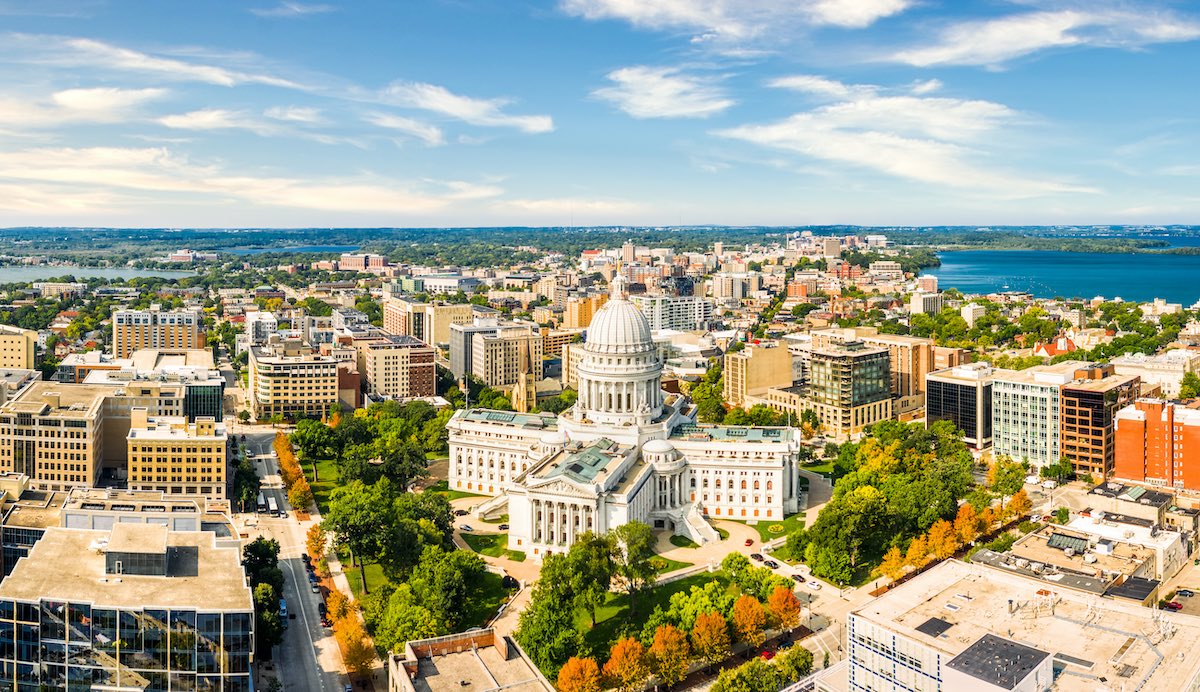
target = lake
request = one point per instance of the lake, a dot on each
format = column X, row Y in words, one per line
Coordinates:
column 1045, row 274
column 23, row 273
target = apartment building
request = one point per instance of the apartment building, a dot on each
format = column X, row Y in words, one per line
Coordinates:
column 674, row 312
column 1166, row 370
column 849, row 387
column 1158, row 443
column 400, row 367
column 910, row 359
column 138, row 607
column 754, row 369
column 18, row 347
column 261, row 325
column 288, row 378
column 175, row 457
column 190, row 371
column 1089, row 404
column 502, row 357
column 553, row 340
column 926, row 303
column 732, row 287
column 963, row 396
column 361, row 262
column 1026, row 405
column 971, row 312
column 427, row 322
column 579, row 310
column 154, row 328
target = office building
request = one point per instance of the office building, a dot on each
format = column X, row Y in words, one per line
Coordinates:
column 260, row 325
column 503, row 356
column 1026, row 424
column 964, row 626
column 477, row 659
column 579, row 310
column 1166, row 370
column 400, row 367
column 754, row 369
column 553, row 340
column 448, row 284
column 428, row 322
column 361, row 262
column 462, row 341
column 203, row 386
column 138, row 329
column 288, row 378
column 175, row 457
column 1158, row 443
column 910, row 359
column 947, row 357
column 926, row 303
column 138, row 607
column 18, row 347
column 963, row 396
column 682, row 313
column 1089, row 404
column 731, row 287
column 849, row 387
column 887, row 269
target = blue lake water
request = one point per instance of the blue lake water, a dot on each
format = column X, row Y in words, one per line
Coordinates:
column 1046, row 274
column 23, row 273
column 298, row 248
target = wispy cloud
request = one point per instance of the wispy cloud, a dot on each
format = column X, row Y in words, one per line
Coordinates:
column 567, row 205
column 286, row 10
column 993, row 42
column 97, row 105
column 931, row 140
column 430, row 134
column 737, row 20
column 662, row 92
column 219, row 119
column 476, row 111
column 295, row 114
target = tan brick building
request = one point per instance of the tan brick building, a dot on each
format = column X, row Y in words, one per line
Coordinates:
column 138, row 329
column 401, row 367
column 18, row 347
column 173, row 456
column 288, row 378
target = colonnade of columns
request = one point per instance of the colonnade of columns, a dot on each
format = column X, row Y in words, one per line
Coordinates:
column 565, row 519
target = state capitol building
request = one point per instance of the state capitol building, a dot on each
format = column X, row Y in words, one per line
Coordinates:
column 625, row 451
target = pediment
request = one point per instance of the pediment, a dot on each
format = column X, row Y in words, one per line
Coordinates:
column 558, row 486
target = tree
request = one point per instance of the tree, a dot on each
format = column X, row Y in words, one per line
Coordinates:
column 634, row 550
column 359, row 516
column 401, row 461
column 579, row 675
column 1189, row 386
column 338, row 605
column 314, row 440
column 592, row 568
column 710, row 637
column 669, row 655
column 966, row 524
column 357, row 652
column 316, row 542
column 942, row 541
column 1019, row 505
column 749, row 620
column 268, row 628
column 1006, row 476
column 1059, row 470
column 918, row 552
column 892, row 565
column 300, row 495
column 627, row 668
column 793, row 664
column 243, row 416
column 755, row 676
column 785, row 607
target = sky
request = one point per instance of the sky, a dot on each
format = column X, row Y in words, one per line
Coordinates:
column 431, row 113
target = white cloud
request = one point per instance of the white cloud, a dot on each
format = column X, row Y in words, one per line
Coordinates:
column 483, row 112
column 927, row 87
column 736, row 20
column 99, row 175
column 430, row 134
column 926, row 139
column 995, row 41
column 295, row 114
column 218, row 119
column 287, row 9
column 72, row 106
column 821, row 86
column 662, row 92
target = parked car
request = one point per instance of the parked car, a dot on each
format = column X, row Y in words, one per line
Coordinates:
column 461, row 512
column 767, row 654
column 465, row 527
column 771, row 563
column 306, row 558
column 749, row 542
column 798, row 578
column 1174, row 605
column 316, row 588
column 756, row 557
column 1185, row 593
column 312, row 577
column 322, row 610
column 504, row 527
column 814, row 584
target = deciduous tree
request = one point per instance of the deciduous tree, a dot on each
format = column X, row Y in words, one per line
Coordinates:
column 892, row 565
column 315, row 542
column 794, row 664
column 918, row 552
column 579, row 675
column 357, row 652
column 627, row 667
column 634, row 550
column 785, row 607
column 966, row 524
column 669, row 655
column 942, row 541
column 749, row 620
column 710, row 637
column 1019, row 505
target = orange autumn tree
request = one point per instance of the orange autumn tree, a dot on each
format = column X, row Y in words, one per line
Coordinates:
column 627, row 668
column 892, row 565
column 942, row 541
column 579, row 675
column 966, row 524
column 918, row 552
column 710, row 637
column 784, row 607
column 749, row 620
column 669, row 655
column 1019, row 505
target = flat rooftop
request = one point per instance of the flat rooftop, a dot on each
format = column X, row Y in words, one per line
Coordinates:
column 479, row 669
column 1102, row 384
column 68, row 565
column 36, row 509
column 732, row 433
column 532, row 421
column 1133, row 493
column 148, row 359
column 74, row 400
column 1055, row 374
column 998, row 661
column 174, row 428
column 1089, row 637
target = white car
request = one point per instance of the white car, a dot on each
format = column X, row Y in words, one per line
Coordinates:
column 814, row 584
column 465, row 527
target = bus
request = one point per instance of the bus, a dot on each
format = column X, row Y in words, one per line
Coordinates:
column 273, row 507
column 262, row 503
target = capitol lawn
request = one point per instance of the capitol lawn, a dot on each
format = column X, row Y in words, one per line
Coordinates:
column 615, row 615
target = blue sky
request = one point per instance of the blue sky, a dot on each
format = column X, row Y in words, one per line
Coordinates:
column 556, row 112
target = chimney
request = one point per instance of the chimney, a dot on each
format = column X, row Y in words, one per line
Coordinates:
column 138, row 417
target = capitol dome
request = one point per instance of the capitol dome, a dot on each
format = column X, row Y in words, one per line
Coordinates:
column 619, row 327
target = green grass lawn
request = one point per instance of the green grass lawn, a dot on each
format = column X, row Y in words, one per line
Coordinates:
column 492, row 545
column 502, row 519
column 328, row 473
column 616, row 614
column 443, row 487
column 486, row 600
column 825, row 468
column 664, row 565
column 375, row 577
column 722, row 533
column 789, row 524
column 434, row 456
column 683, row 542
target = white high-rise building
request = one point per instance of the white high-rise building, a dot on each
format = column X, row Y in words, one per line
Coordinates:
column 683, row 313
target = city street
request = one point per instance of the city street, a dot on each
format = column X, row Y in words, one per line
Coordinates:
column 309, row 658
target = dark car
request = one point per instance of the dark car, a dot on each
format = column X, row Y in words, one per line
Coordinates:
column 756, row 557
column 326, row 622
column 321, row 609
column 312, row 577
column 306, row 558
column 798, row 578
column 461, row 512
column 771, row 563
column 504, row 527
column 1185, row 593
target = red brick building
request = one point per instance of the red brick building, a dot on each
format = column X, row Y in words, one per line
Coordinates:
column 1158, row 443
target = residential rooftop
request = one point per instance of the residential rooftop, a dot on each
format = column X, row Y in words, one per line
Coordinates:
column 69, row 565
column 1133, row 493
